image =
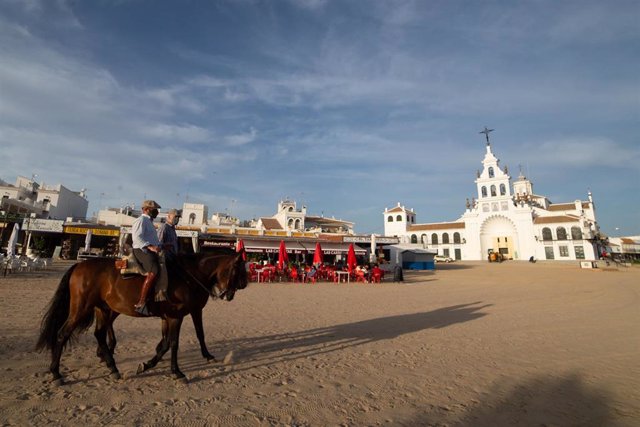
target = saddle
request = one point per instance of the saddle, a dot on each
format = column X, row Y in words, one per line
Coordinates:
column 129, row 266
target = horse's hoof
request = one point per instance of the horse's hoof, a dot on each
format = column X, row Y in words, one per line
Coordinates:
column 115, row 375
column 141, row 369
column 58, row 382
column 181, row 378
column 212, row 359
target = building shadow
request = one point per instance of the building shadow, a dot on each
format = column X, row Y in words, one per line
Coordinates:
column 265, row 350
column 443, row 266
column 540, row 401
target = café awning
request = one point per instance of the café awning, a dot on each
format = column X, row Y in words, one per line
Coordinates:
column 334, row 248
column 273, row 246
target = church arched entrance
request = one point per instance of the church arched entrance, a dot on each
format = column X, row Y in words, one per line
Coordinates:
column 498, row 234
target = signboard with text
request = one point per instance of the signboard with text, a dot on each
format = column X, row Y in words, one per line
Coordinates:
column 95, row 231
column 45, row 225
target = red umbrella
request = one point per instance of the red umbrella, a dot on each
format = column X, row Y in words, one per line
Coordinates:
column 318, row 255
column 240, row 248
column 351, row 258
column 283, row 257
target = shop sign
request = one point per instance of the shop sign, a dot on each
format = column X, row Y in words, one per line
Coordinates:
column 367, row 239
column 95, row 231
column 46, row 225
column 214, row 244
column 186, row 233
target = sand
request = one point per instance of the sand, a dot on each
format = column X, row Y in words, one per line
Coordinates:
column 472, row 344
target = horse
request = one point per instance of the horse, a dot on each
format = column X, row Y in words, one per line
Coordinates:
column 95, row 289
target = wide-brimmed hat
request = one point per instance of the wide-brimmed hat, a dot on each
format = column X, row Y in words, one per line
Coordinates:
column 151, row 204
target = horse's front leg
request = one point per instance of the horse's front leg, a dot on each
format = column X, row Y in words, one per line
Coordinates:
column 161, row 349
column 102, row 326
column 196, row 316
column 174, row 341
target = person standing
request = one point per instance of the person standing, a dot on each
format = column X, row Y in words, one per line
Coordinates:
column 167, row 234
column 146, row 247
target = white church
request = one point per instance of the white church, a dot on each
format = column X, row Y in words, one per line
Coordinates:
column 507, row 218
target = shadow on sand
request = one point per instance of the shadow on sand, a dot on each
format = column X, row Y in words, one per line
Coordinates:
column 541, row 401
column 265, row 350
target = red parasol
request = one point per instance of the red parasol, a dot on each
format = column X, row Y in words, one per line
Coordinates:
column 318, row 256
column 283, row 257
column 240, row 248
column 351, row 258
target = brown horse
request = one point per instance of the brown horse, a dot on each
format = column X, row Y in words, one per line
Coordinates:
column 94, row 288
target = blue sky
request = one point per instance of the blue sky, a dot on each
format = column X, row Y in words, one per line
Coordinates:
column 347, row 107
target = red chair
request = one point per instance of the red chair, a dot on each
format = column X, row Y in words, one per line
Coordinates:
column 293, row 274
column 360, row 277
column 377, row 276
column 253, row 274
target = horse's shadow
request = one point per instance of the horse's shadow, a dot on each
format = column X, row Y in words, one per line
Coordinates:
column 266, row 350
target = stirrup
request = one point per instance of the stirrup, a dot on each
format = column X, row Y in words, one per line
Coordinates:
column 144, row 310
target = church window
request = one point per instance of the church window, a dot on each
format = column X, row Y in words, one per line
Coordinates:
column 546, row 234
column 576, row 233
column 445, row 252
column 493, row 191
column 192, row 218
column 291, row 223
column 399, row 218
column 561, row 233
column 564, row 251
column 548, row 252
column 503, row 189
column 390, row 219
column 298, row 224
column 579, row 252
column 290, row 208
column 491, row 174
column 414, row 238
column 424, row 239
column 484, row 191
column 456, row 237
column 434, row 239
column 445, row 238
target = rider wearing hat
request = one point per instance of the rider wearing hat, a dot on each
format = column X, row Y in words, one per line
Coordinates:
column 146, row 247
column 167, row 234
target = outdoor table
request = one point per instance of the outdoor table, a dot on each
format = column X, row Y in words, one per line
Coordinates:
column 342, row 273
column 259, row 272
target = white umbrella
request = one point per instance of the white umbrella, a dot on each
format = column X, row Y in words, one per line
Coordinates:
column 87, row 241
column 373, row 257
column 13, row 239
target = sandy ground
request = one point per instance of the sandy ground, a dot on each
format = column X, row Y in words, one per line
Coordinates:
column 471, row 344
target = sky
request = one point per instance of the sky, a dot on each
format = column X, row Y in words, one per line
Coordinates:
column 347, row 107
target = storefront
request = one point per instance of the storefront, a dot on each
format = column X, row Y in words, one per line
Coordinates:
column 103, row 241
column 42, row 236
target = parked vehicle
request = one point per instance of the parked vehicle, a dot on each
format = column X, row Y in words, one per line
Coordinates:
column 442, row 258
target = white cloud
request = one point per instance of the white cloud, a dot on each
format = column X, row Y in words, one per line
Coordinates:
column 243, row 138
column 182, row 133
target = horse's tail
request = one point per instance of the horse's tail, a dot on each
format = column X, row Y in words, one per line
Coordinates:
column 57, row 314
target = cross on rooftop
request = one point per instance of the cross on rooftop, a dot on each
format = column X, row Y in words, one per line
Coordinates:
column 486, row 133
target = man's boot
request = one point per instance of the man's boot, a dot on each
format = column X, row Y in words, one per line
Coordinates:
column 146, row 286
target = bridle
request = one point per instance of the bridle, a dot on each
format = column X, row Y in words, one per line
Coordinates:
column 213, row 292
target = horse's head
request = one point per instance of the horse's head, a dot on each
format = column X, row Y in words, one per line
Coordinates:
column 229, row 275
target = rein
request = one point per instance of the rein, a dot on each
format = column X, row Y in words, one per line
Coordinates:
column 212, row 293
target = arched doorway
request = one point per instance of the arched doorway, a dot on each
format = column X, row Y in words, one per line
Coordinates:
column 498, row 234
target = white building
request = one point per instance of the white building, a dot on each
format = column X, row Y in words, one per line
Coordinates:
column 289, row 217
column 505, row 218
column 28, row 197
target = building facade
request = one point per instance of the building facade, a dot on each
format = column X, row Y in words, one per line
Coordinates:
column 29, row 198
column 506, row 218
